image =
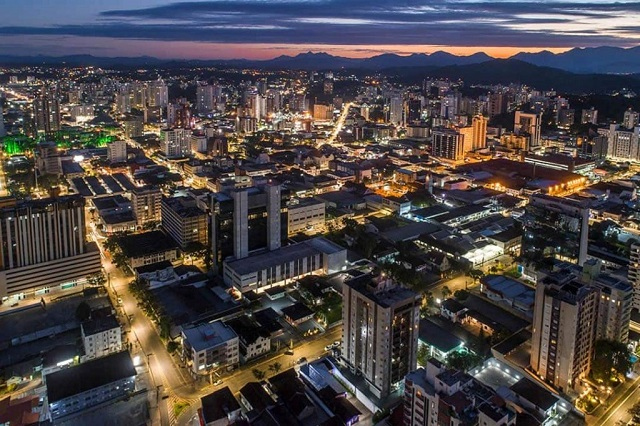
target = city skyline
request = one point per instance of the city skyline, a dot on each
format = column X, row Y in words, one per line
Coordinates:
column 259, row 30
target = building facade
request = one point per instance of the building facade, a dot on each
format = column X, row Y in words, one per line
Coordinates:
column 146, row 204
column 379, row 331
column 101, row 336
column 184, row 221
column 209, row 347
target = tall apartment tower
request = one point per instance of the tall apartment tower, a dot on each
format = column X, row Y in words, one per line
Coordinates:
column 631, row 119
column 274, row 234
column 479, row 124
column 46, row 109
column 634, row 274
column 205, row 98
column 117, row 152
column 240, row 223
column 379, row 331
column 530, row 124
column 564, row 331
column 146, row 202
column 449, row 143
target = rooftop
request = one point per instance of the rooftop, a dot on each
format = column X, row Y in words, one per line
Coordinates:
column 137, row 245
column 208, row 335
column 218, row 405
column 434, row 335
column 89, row 375
column 533, row 393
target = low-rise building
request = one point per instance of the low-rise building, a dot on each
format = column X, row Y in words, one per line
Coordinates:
column 146, row 248
column 220, row 408
column 254, row 340
column 89, row 384
column 210, row 346
column 101, row 335
column 284, row 265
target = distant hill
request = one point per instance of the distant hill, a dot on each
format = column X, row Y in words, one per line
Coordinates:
column 506, row 71
column 600, row 60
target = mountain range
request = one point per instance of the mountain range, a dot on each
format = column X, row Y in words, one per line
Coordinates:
column 600, row 60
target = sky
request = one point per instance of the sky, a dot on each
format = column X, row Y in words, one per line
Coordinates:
column 262, row 29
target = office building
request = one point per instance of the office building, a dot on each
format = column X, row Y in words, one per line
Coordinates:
column 307, row 214
column 556, row 226
column 284, row 265
column 146, row 204
column 322, row 112
column 209, row 347
column 450, row 144
column 631, row 119
column 43, row 245
column 175, row 143
column 184, row 221
column 239, row 221
column 117, row 152
column 198, row 143
column 379, row 331
column 528, row 124
column 101, row 335
column 564, row 331
column 274, row 232
column 46, row 110
column 87, row 385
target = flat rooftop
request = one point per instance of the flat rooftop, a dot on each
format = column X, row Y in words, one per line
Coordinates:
column 136, row 245
column 208, row 335
column 89, row 375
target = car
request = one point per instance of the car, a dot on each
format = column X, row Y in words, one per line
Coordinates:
column 217, row 382
column 328, row 348
column 337, row 343
column 289, row 352
column 302, row 360
column 119, row 300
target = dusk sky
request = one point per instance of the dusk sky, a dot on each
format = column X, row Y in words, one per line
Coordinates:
column 267, row 28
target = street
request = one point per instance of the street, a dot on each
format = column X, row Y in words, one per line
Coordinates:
column 618, row 412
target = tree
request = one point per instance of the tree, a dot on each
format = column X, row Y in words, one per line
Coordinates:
column 96, row 279
column 275, row 367
column 445, row 292
column 461, row 295
column 172, row 346
column 429, row 299
column 422, row 355
column 463, row 360
column 258, row 374
column 83, row 311
column 611, row 362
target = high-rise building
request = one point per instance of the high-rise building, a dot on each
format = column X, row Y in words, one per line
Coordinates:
column 450, row 105
column 145, row 202
column 479, row 125
column 566, row 117
column 3, row 132
column 123, row 102
column 43, row 245
column 379, row 331
column 589, row 116
column 556, row 226
column 631, row 119
column 133, row 127
column 157, row 94
column 205, row 98
column 175, row 142
column 117, row 152
column 46, row 110
column 564, row 330
column 451, row 144
column 529, row 124
column 184, row 221
column 395, row 110
column 622, row 144
column 634, row 274
column 496, row 104
column 413, row 110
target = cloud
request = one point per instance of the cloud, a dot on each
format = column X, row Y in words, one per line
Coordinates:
column 367, row 22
